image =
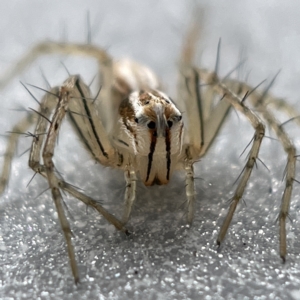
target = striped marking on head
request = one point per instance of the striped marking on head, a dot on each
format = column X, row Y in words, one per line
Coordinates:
column 155, row 125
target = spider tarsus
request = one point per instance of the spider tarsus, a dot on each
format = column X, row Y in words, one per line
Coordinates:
column 189, row 222
column 283, row 259
column 127, row 232
column 76, row 281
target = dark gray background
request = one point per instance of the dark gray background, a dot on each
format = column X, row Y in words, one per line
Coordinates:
column 162, row 259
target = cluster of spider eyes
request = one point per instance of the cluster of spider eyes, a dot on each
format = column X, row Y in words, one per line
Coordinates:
column 152, row 124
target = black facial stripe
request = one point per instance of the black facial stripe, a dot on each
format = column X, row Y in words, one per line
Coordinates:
column 88, row 113
column 180, row 132
column 150, row 155
column 122, row 142
column 130, row 129
column 168, row 150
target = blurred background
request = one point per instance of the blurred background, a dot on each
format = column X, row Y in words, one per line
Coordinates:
column 163, row 258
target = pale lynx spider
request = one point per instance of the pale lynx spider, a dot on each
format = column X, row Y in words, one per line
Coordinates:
column 150, row 137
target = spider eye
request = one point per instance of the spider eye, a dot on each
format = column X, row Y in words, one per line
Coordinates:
column 136, row 120
column 151, row 125
column 170, row 124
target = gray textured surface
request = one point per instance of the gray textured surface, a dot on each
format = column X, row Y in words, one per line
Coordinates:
column 162, row 259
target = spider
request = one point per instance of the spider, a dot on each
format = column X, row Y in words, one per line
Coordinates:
column 133, row 126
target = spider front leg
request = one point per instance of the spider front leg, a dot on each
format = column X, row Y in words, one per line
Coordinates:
column 130, row 193
column 261, row 101
column 201, row 127
column 48, row 169
column 238, row 104
column 72, row 96
column 252, row 157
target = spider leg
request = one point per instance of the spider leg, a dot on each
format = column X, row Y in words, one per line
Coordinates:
column 260, row 103
column 69, row 95
column 259, row 128
column 201, row 121
column 290, row 150
column 189, row 97
column 93, row 203
column 47, row 170
column 201, row 125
